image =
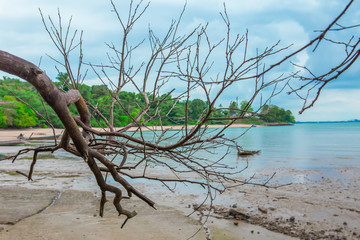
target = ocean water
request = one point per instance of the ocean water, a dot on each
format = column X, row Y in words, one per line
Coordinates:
column 310, row 146
column 299, row 153
column 323, row 147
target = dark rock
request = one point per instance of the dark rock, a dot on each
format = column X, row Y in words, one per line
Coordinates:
column 263, row 210
column 238, row 215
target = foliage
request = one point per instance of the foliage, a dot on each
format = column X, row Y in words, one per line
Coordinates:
column 233, row 109
column 16, row 114
column 245, row 106
column 273, row 113
column 129, row 105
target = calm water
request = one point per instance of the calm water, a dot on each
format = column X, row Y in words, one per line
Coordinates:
column 304, row 146
column 323, row 146
column 312, row 146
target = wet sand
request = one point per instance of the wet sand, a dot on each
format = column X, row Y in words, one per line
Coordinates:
column 326, row 209
column 27, row 209
column 73, row 214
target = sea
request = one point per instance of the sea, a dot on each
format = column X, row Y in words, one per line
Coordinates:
column 314, row 146
column 323, row 148
column 297, row 150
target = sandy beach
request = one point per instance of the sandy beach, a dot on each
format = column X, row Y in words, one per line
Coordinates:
column 12, row 134
column 62, row 203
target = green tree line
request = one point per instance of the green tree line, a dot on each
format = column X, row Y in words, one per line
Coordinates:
column 15, row 113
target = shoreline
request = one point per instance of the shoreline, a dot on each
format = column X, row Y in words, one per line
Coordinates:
column 12, row 134
column 326, row 209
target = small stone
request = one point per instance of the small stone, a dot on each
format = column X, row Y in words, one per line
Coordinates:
column 345, row 223
column 292, row 219
column 234, row 205
column 262, row 209
column 252, row 231
column 236, row 223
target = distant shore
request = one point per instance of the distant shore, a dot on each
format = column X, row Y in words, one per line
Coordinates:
column 12, row 134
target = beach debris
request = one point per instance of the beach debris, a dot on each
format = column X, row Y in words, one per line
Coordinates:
column 244, row 153
column 262, row 209
column 238, row 215
column 207, row 232
column 21, row 136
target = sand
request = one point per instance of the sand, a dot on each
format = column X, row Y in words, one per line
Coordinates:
column 62, row 203
column 12, row 134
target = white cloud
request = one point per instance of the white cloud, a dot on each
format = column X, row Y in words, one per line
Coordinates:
column 268, row 21
column 335, row 105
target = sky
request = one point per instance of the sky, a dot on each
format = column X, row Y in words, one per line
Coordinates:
column 267, row 21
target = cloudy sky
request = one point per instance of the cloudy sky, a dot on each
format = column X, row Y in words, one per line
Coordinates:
column 291, row 21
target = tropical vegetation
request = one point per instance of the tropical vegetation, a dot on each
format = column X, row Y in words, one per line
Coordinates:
column 15, row 112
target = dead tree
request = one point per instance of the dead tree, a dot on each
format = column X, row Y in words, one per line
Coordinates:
column 186, row 58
